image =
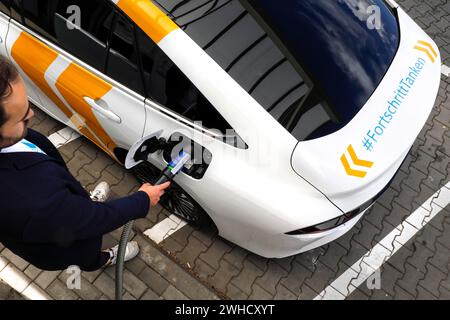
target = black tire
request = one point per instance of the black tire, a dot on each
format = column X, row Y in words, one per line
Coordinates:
column 175, row 200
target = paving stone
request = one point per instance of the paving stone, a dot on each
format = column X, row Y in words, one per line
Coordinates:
column 441, row 258
column 78, row 161
column 193, row 249
column 259, row 293
column 236, row 256
column 173, row 273
column 131, row 283
column 411, row 279
column 32, row 272
column 87, row 291
column 59, row 291
column 389, row 278
column 433, row 279
column 126, row 185
column 136, row 266
column 46, row 278
column 182, row 236
column 85, row 178
column 321, row 277
column 357, row 295
column 380, row 295
column 172, row 293
column 154, row 280
column 142, row 225
column 15, row 260
column 7, row 293
column 421, row 255
column 284, row 294
column 215, row 253
column 203, row 270
column 150, row 295
column 399, row 258
column 285, row 263
column 206, row 235
column 235, row 293
column 414, row 180
column 128, row 296
column 172, row 246
column 307, row 293
column 91, row 276
column 401, row 294
column 272, row 277
column 106, row 285
column 366, row 237
column 423, row 294
column 247, row 277
column 294, row 281
column 223, row 276
column 260, row 262
column 377, row 215
column 386, row 198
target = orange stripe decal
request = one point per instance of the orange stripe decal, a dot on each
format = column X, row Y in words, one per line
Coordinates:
column 356, row 160
column 35, row 58
column 426, row 51
column 349, row 170
column 429, row 46
column 74, row 84
column 155, row 23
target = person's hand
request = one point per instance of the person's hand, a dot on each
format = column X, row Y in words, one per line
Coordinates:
column 154, row 192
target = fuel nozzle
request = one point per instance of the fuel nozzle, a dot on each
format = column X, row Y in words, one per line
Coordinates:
column 183, row 160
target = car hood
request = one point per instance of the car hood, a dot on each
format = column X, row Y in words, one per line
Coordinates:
column 352, row 165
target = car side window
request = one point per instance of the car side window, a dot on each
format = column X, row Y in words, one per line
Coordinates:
column 87, row 41
column 123, row 57
column 38, row 16
column 166, row 84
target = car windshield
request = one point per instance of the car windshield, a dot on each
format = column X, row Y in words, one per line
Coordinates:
column 312, row 64
column 344, row 46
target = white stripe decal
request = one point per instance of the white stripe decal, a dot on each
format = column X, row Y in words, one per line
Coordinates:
column 445, row 70
column 20, row 282
column 352, row 278
column 165, row 229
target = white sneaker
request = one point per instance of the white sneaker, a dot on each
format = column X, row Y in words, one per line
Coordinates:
column 101, row 192
column 130, row 253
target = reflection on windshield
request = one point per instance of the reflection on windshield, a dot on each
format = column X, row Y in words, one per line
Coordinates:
column 333, row 42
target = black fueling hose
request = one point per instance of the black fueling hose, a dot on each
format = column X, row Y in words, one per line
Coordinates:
column 172, row 169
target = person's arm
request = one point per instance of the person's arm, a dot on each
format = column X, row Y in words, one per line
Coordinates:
column 73, row 217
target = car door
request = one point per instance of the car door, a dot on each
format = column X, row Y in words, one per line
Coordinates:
column 81, row 70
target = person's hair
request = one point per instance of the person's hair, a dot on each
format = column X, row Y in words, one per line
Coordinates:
column 8, row 74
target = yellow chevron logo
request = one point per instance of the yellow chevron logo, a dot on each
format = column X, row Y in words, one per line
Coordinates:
column 428, row 49
column 355, row 161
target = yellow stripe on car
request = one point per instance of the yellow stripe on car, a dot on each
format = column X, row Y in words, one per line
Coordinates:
column 155, row 23
column 35, row 58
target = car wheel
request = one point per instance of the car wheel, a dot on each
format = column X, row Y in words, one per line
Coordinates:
column 175, row 200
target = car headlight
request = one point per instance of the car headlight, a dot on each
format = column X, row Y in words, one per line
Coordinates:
column 328, row 225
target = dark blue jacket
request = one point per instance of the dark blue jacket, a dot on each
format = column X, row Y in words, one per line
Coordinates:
column 48, row 219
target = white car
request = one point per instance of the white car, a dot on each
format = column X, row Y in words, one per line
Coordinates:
column 301, row 111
